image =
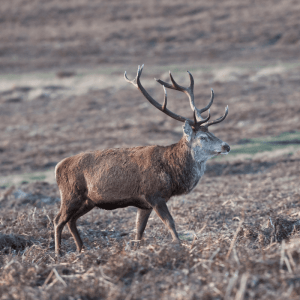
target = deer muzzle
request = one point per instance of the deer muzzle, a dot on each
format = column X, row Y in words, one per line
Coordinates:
column 225, row 148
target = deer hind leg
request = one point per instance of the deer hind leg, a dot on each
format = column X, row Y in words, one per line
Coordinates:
column 59, row 223
column 141, row 222
column 85, row 208
column 163, row 212
column 65, row 214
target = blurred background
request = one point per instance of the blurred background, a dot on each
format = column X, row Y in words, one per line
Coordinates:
column 87, row 33
column 62, row 62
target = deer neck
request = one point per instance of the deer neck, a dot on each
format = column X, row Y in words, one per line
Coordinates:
column 186, row 166
column 191, row 153
column 198, row 164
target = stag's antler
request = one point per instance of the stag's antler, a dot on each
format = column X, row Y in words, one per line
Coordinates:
column 136, row 82
column 189, row 91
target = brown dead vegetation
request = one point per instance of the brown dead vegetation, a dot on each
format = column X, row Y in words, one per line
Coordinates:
column 233, row 227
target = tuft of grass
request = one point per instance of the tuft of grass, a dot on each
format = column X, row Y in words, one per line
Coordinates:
column 37, row 178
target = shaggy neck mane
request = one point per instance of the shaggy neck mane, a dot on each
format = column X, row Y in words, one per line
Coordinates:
column 183, row 169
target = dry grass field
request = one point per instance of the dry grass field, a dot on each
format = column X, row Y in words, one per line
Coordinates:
column 62, row 92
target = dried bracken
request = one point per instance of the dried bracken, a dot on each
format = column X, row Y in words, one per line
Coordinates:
column 10, row 241
column 263, row 261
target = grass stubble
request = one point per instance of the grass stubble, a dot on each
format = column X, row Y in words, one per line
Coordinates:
column 240, row 240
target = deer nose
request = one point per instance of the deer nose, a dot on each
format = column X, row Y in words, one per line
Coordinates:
column 226, row 147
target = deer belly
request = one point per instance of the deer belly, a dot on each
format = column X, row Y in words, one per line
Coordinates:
column 110, row 201
column 111, row 193
column 120, row 203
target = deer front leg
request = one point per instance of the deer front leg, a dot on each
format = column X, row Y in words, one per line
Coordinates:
column 163, row 212
column 141, row 222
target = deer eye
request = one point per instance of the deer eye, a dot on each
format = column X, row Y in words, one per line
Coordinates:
column 203, row 138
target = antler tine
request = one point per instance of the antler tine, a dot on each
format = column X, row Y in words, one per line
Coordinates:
column 163, row 107
column 165, row 100
column 219, row 119
column 198, row 124
column 138, row 75
column 209, row 104
column 175, row 85
column 189, row 91
column 191, row 81
column 204, row 120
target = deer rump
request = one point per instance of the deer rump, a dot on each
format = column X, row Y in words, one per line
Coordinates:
column 117, row 178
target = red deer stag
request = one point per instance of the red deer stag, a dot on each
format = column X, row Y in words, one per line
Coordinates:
column 144, row 177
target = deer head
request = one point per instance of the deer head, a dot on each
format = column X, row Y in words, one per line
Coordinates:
column 203, row 143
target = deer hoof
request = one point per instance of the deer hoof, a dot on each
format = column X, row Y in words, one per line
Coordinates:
column 58, row 254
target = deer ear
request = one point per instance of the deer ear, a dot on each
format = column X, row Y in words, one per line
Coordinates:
column 187, row 131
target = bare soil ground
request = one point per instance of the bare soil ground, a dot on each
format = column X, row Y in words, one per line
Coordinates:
column 62, row 92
